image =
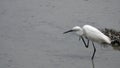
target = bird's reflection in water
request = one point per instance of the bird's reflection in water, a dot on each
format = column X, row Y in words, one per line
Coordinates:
column 93, row 65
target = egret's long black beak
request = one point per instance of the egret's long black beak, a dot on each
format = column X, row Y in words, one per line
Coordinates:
column 68, row 31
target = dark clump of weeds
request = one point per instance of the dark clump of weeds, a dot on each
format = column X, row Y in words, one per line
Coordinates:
column 114, row 35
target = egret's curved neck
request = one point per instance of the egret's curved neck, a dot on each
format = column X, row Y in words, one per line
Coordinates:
column 80, row 32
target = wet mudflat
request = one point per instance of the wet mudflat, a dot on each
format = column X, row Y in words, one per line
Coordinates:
column 31, row 33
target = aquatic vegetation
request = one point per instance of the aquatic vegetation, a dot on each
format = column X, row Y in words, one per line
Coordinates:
column 114, row 35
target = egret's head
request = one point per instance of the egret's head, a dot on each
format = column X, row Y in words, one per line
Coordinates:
column 76, row 29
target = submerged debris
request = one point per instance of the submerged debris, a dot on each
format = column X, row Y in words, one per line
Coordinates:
column 114, row 36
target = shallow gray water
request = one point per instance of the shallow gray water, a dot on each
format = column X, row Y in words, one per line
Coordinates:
column 31, row 33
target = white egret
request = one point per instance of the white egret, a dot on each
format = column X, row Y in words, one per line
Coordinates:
column 91, row 33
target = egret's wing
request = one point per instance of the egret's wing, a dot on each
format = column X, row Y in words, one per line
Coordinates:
column 96, row 35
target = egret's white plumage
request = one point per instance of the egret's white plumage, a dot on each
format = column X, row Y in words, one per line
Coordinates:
column 78, row 30
column 94, row 34
column 91, row 33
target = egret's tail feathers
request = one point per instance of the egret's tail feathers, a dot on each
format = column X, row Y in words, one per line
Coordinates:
column 108, row 40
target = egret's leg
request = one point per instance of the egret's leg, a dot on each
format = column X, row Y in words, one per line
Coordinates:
column 86, row 45
column 94, row 51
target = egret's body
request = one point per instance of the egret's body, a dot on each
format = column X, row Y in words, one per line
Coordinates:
column 94, row 34
column 91, row 33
